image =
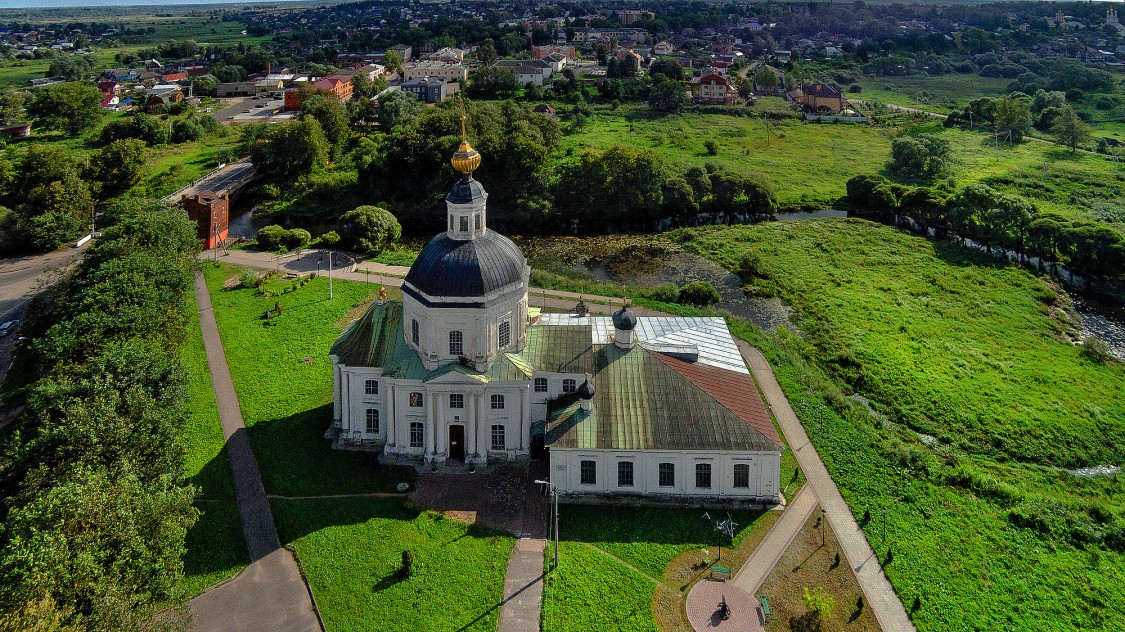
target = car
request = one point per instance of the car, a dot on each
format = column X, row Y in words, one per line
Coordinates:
column 230, row 118
column 246, row 111
column 8, row 327
column 261, row 105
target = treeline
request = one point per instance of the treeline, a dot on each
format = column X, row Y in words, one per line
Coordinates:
column 995, row 220
column 95, row 510
column 407, row 171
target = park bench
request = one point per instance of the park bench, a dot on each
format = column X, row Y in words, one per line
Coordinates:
column 765, row 607
column 720, row 569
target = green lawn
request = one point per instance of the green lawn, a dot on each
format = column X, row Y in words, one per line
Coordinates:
column 283, row 378
column 939, row 94
column 983, row 530
column 351, row 549
column 589, row 591
column 806, row 164
column 216, row 547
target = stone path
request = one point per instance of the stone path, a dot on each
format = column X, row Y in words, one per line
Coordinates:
column 523, row 587
column 877, row 590
column 270, row 593
column 761, row 562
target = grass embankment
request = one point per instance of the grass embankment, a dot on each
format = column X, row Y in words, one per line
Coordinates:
column 351, row 550
column 982, row 529
column 628, row 568
column 283, row 378
column 216, row 548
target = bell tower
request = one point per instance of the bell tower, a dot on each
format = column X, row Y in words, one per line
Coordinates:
column 467, row 213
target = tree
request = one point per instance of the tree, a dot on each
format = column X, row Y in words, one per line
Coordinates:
column 668, row 97
column 398, row 109
column 186, row 130
column 1069, row 129
column 286, row 152
column 668, row 67
column 205, row 84
column 393, row 61
column 922, row 156
column 765, row 79
column 486, row 53
column 493, row 82
column 270, row 237
column 332, row 116
column 143, row 126
column 368, row 229
column 13, row 105
column 619, row 187
column 118, row 165
column 1011, row 116
column 70, row 107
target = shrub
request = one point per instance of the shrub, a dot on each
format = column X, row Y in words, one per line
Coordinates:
column 331, row 239
column 750, row 267
column 1104, row 103
column 296, row 238
column 819, row 602
column 711, row 146
column 855, row 88
column 699, row 293
column 271, row 237
column 1096, row 350
column 368, row 229
column 665, row 292
column 248, row 279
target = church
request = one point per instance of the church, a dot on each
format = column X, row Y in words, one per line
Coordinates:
column 464, row 371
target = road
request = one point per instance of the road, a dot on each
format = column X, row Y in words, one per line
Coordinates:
column 261, row 110
column 21, row 278
column 220, row 181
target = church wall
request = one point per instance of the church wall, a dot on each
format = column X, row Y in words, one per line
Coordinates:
column 479, row 328
column 765, row 470
column 540, row 399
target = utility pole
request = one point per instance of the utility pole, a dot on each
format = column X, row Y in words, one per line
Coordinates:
column 555, row 511
column 330, row 275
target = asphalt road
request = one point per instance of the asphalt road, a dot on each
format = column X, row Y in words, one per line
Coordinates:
column 21, row 278
column 235, row 111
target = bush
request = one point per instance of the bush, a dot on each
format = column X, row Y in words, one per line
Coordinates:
column 271, row 237
column 699, row 293
column 711, row 146
column 248, row 279
column 1104, row 103
column 665, row 292
column 750, row 267
column 368, row 229
column 1096, row 350
column 331, row 239
column 855, row 88
column 296, row 238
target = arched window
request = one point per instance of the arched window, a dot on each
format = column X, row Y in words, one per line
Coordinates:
column 456, row 343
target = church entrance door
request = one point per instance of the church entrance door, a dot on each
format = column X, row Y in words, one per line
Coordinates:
column 457, row 442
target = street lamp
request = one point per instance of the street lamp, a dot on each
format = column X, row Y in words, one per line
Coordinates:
column 330, row 275
column 823, row 525
column 555, row 492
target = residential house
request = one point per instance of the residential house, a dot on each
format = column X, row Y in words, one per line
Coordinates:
column 663, row 48
column 713, row 88
column 557, row 62
column 174, row 77
column 532, row 71
column 339, row 86
column 236, row 89
column 447, row 54
column 539, row 52
column 161, row 96
column 427, row 89
column 110, row 88
column 447, row 71
column 402, row 49
column 16, row 131
column 819, row 98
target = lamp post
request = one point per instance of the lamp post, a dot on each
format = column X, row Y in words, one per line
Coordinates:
column 555, row 493
column 823, row 525
column 330, row 275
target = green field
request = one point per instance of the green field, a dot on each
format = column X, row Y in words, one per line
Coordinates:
column 283, row 378
column 940, row 93
column 216, row 547
column 351, row 549
column 983, row 528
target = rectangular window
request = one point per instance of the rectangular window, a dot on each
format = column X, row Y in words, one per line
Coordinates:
column 569, row 386
column 476, row 221
column 703, row 475
column 416, row 400
column 504, row 335
column 464, row 223
column 667, row 475
column 414, row 331
column 624, row 473
column 498, row 438
column 589, row 473
column 742, row 475
column 371, row 387
column 540, row 385
column 450, row 222
column 456, row 400
column 415, row 434
column 497, row 402
column 456, row 346
column 372, row 421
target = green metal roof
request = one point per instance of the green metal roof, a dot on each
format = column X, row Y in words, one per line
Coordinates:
column 559, row 348
column 643, row 402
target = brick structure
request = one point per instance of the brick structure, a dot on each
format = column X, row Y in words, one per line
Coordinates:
column 211, row 214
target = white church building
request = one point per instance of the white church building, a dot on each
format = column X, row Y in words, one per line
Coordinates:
column 462, row 371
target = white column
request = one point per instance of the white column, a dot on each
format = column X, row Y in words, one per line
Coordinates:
column 471, row 427
column 525, row 418
column 335, row 391
column 392, row 418
column 482, row 422
column 441, row 432
column 347, row 403
column 428, row 438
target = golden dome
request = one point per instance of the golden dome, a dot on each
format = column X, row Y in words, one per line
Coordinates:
column 467, row 159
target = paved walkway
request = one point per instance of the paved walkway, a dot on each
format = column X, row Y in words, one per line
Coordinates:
column 523, row 587
column 270, row 593
column 761, row 562
column 877, row 589
column 702, row 607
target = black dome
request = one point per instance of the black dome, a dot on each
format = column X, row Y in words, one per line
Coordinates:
column 465, row 191
column 624, row 319
column 586, row 390
column 473, row 268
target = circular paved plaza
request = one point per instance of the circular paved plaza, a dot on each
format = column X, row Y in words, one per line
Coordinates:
column 703, row 607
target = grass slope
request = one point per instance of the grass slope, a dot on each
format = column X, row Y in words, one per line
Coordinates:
column 216, row 548
column 957, row 345
column 590, row 591
column 283, row 378
column 351, row 549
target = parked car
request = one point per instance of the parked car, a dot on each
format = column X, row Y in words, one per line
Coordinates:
column 8, row 327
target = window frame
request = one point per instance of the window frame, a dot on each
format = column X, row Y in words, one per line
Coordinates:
column 703, row 470
column 742, row 469
column 459, row 402
column 369, row 418
column 463, row 224
column 414, row 331
column 417, row 427
column 623, row 468
column 417, row 399
column 499, row 431
column 541, row 381
column 456, row 343
column 670, row 471
column 504, row 334
column 587, row 467
column 569, row 386
column 496, row 401
column 371, row 387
